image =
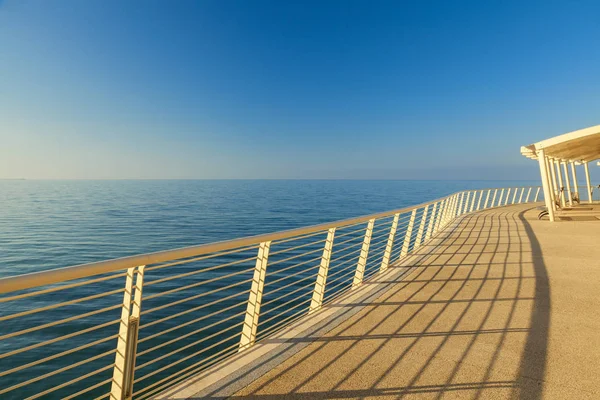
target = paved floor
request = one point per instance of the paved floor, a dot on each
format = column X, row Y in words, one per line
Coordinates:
column 506, row 307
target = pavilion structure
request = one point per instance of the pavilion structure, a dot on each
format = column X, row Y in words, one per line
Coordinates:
column 555, row 155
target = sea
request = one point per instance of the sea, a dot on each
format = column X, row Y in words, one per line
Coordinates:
column 47, row 224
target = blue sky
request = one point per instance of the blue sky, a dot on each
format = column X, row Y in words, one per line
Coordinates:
column 291, row 89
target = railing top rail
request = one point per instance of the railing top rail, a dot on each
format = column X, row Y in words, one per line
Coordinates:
column 42, row 278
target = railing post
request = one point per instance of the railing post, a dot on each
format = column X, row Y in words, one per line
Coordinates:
column 521, row 195
column 447, row 203
column 537, row 193
column 255, row 298
column 438, row 218
column 487, row 197
column 390, row 243
column 319, row 290
column 507, row 196
column 460, row 204
column 443, row 211
column 419, row 238
column 528, row 194
column 364, row 253
column 501, row 197
column 431, row 222
column 123, row 372
column 448, row 212
column 464, row 211
column 494, row 198
column 479, row 201
column 408, row 235
column 452, row 211
column 473, row 201
column 455, row 206
column 514, row 196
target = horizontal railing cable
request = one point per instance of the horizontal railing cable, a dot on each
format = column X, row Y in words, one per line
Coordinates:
column 195, row 297
column 194, row 309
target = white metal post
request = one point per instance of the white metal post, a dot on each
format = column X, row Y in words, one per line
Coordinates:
column 568, row 182
column 408, row 235
column 521, row 195
column 431, row 222
column 123, row 371
column 461, row 205
column 479, row 201
column 455, row 206
column 487, row 197
column 548, row 198
column 561, row 187
column 390, row 243
column 501, row 197
column 587, row 180
column 452, row 215
column 449, row 210
column 473, row 201
column 255, row 298
column 439, row 217
column 419, row 238
column 553, row 180
column 447, row 202
column 514, row 196
column 537, row 194
column 449, row 213
column 494, row 198
column 507, row 196
column 319, row 290
column 466, row 203
column 458, row 205
column 528, row 194
column 575, row 183
column 364, row 253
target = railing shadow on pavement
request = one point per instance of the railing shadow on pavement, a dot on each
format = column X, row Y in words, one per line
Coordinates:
column 415, row 333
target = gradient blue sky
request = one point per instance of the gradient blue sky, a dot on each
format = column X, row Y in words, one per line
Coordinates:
column 291, row 89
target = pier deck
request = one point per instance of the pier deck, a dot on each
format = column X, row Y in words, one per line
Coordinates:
column 506, row 306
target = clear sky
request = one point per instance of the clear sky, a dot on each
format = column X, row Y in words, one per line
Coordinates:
column 291, row 89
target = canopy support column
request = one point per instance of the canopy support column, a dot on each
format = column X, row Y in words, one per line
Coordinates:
column 561, row 186
column 575, row 185
column 568, row 182
column 550, row 165
column 548, row 198
column 587, row 180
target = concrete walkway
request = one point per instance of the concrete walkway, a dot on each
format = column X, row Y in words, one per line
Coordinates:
column 506, row 307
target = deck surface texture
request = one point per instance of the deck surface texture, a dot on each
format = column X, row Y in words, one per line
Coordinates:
column 506, row 307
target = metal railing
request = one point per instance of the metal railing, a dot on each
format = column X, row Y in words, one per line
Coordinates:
column 131, row 327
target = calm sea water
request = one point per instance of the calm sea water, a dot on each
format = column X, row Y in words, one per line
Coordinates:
column 51, row 224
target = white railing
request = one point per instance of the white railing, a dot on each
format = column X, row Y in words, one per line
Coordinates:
column 132, row 327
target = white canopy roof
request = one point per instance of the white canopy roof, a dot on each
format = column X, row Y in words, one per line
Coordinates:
column 582, row 145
